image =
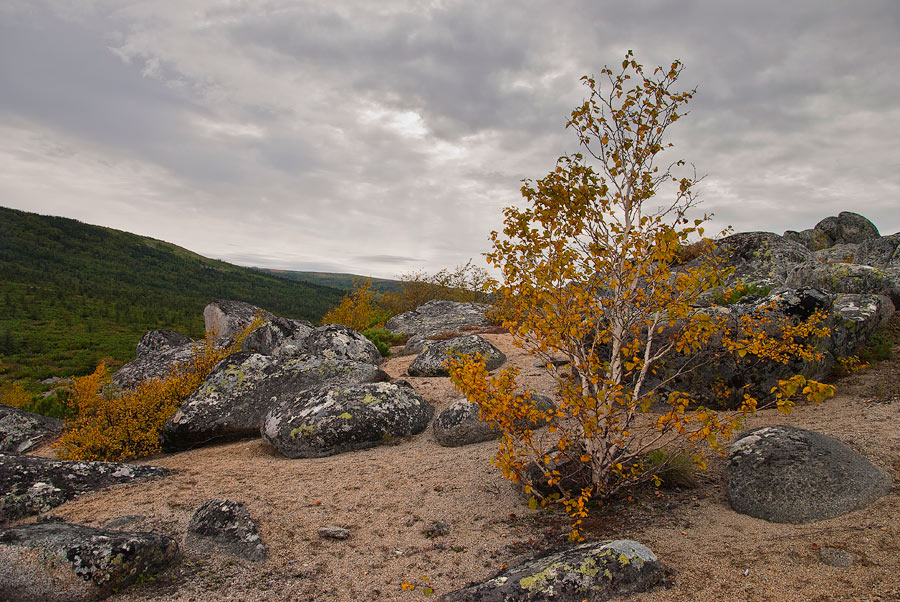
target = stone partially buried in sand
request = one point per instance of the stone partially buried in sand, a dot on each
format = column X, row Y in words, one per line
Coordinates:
column 330, row 420
column 227, row 526
column 21, row 431
column 784, row 474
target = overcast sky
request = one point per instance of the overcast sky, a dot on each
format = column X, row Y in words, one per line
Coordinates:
column 381, row 137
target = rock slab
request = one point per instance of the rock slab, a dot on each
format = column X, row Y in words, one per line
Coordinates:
column 593, row 571
column 330, row 420
column 226, row 525
column 21, row 431
column 784, row 474
column 56, row 562
column 438, row 316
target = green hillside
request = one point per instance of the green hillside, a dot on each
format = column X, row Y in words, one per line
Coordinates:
column 72, row 294
column 345, row 282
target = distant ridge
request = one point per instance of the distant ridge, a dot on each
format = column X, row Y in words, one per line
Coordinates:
column 344, row 282
column 72, row 293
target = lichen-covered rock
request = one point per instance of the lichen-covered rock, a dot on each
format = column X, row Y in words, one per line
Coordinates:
column 330, row 420
column 60, row 562
column 784, row 474
column 593, row 571
column 761, row 257
column 460, row 424
column 227, row 526
column 31, row 485
column 152, row 364
column 431, row 362
column 21, row 431
column 335, row 341
column 438, row 316
column 233, row 400
column 845, row 228
column 847, row 278
column 227, row 318
column 881, row 252
column 415, row 345
column 279, row 336
column 158, row 340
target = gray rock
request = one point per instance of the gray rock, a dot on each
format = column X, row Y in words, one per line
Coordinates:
column 431, row 361
column 838, row 558
column 159, row 340
column 847, row 278
column 784, row 474
column 415, row 345
column 59, row 562
column 335, row 341
column 460, row 423
column 846, row 227
column 228, row 318
column 332, row 532
column 279, row 336
column 439, row 316
column 881, row 252
column 330, row 420
column 227, row 526
column 761, row 257
column 21, row 431
column 233, row 400
column 31, row 485
column 593, row 571
column 153, row 364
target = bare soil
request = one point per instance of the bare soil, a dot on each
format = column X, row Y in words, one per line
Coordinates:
column 389, row 497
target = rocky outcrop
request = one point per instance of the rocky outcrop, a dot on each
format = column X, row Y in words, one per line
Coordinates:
column 761, row 257
column 152, row 364
column 21, row 431
column 334, row 341
column 226, row 526
column 160, row 340
column 439, row 316
column 845, row 228
column 227, row 318
column 279, row 336
column 431, row 362
column 784, row 474
column 31, row 485
column 460, row 424
column 60, row 562
column 593, row 571
column 330, row 420
column 847, row 278
column 241, row 389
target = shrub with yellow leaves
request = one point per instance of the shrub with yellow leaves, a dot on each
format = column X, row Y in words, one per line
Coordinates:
column 593, row 274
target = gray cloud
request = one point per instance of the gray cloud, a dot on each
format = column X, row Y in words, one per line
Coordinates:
column 375, row 137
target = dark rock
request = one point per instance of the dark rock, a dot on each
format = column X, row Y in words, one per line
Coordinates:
column 784, row 474
column 330, row 420
column 228, row 318
column 233, row 400
column 59, row 562
column 848, row 253
column 881, row 252
column 845, row 228
column 21, row 431
column 335, row 341
column 153, row 364
column 437, row 529
column 460, row 423
column 159, row 340
column 439, row 316
column 31, row 485
column 227, row 526
column 847, row 278
column 593, row 571
column 332, row 532
column 431, row 361
column 415, row 345
column 279, row 336
column 760, row 257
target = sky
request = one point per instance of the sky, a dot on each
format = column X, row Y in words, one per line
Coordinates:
column 386, row 137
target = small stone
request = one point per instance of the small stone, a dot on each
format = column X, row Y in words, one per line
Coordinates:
column 332, row 532
column 836, row 557
column 437, row 529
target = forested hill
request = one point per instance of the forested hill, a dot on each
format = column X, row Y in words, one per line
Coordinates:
column 345, row 282
column 72, row 293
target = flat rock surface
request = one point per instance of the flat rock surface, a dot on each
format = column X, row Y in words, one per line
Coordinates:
column 60, row 562
column 21, row 431
column 789, row 475
column 30, row 485
column 439, row 316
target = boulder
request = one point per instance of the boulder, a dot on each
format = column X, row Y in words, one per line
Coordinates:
column 439, row 316
column 845, row 228
column 228, row 318
column 760, row 257
column 881, row 252
column 460, row 424
column 784, row 474
column 415, row 345
column 847, row 278
column 335, row 341
column 21, row 431
column 150, row 364
column 159, row 340
column 278, row 336
column 227, row 526
column 60, row 562
column 31, row 485
column 233, row 400
column 436, row 353
column 592, row 571
column 330, row 420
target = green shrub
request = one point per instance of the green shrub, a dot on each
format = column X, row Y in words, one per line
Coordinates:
column 384, row 339
column 673, row 470
column 731, row 296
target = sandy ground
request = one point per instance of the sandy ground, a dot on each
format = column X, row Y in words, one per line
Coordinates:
column 388, row 497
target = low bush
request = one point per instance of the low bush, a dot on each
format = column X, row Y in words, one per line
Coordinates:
column 384, row 339
column 731, row 296
column 358, row 309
